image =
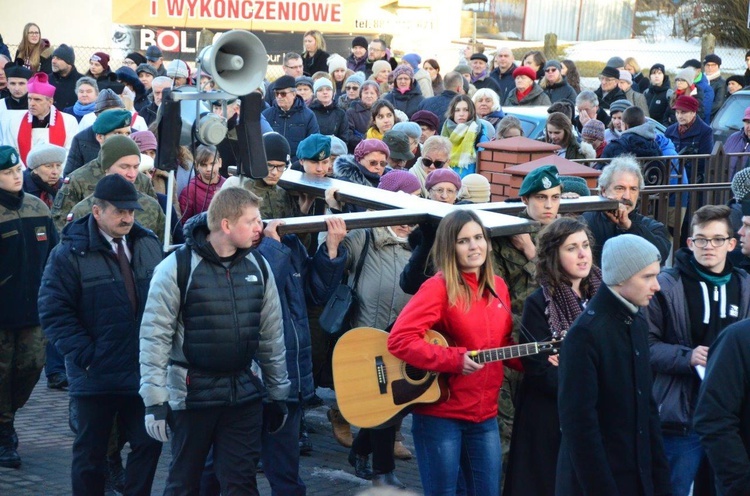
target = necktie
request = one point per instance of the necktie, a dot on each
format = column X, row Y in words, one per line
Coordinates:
column 127, row 274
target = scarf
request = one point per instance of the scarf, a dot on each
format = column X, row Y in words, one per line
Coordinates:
column 684, row 129
column 56, row 132
column 564, row 307
column 462, row 137
column 81, row 110
column 714, row 76
column 418, row 170
column 520, row 95
column 715, row 279
column 481, row 76
column 374, row 133
column 47, row 194
column 371, row 177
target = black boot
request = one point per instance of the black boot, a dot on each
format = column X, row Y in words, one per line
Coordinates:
column 361, row 464
column 8, row 444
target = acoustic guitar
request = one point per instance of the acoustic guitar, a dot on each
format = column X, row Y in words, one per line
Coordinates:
column 374, row 388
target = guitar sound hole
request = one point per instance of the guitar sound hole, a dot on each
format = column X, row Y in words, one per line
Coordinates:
column 414, row 375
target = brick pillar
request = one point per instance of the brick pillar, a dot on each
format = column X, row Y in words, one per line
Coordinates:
column 501, row 154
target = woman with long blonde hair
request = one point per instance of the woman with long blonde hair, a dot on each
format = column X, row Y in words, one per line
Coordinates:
column 34, row 52
column 314, row 55
column 470, row 306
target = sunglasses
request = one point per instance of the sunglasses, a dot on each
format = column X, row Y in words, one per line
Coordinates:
column 352, row 88
column 282, row 94
column 429, row 163
column 375, row 163
column 551, row 69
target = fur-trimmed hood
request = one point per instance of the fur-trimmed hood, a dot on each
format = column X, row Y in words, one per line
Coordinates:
column 348, row 169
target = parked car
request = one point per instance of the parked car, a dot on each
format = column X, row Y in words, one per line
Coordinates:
column 533, row 120
column 728, row 119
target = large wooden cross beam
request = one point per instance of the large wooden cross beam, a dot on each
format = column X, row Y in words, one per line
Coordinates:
column 390, row 208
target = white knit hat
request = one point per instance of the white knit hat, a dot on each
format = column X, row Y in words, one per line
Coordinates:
column 335, row 62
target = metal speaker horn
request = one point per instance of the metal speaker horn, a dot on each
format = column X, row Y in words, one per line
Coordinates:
column 237, row 62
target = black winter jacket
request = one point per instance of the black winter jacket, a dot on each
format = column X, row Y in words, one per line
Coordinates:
column 439, row 105
column 561, row 91
column 611, row 441
column 638, row 141
column 85, row 311
column 612, row 96
column 407, row 102
column 294, row 124
column 359, row 118
column 83, row 150
column 332, row 120
column 658, row 98
column 65, row 88
column 27, row 236
column 505, row 81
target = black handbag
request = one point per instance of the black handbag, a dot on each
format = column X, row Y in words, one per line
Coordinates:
column 337, row 312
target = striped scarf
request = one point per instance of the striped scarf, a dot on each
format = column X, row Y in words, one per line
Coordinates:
column 463, row 137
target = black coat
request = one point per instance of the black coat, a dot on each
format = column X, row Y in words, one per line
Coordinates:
column 611, row 438
column 83, row 149
column 318, row 62
column 65, row 88
column 438, row 105
column 536, row 429
column 658, row 98
column 640, row 82
column 332, row 120
column 722, row 415
column 601, row 116
column 649, row 229
column 505, row 81
column 359, row 118
column 612, row 96
column 561, row 91
column 487, row 82
column 407, row 102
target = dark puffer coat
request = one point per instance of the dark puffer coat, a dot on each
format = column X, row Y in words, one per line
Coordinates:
column 406, row 102
column 294, row 124
column 332, row 120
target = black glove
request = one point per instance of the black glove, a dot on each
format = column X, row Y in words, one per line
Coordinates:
column 274, row 416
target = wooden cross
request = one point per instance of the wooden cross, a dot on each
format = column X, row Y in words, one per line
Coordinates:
column 391, row 209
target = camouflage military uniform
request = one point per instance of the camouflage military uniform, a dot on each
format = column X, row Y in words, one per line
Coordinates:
column 151, row 217
column 277, row 202
column 81, row 183
column 518, row 273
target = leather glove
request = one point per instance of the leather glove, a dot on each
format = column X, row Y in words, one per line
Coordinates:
column 156, row 422
column 275, row 414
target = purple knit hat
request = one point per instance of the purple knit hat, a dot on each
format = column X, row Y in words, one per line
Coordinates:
column 371, row 145
column 145, row 140
column 400, row 180
column 403, row 69
column 444, row 175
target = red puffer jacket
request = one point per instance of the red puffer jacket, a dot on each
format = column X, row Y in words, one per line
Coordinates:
column 196, row 197
column 485, row 325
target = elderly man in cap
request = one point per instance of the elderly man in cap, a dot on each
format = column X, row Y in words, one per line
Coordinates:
column 81, row 183
column 712, row 72
column 88, row 142
column 611, row 437
column 64, row 76
column 120, row 155
column 26, row 238
column 43, row 123
column 480, row 74
column 155, row 58
column 514, row 258
column 622, row 180
column 95, row 326
column 625, row 83
column 608, row 90
column 690, row 134
column 289, row 116
column 18, row 98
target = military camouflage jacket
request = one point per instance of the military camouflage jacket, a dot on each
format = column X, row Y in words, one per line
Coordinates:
column 81, row 183
column 151, row 217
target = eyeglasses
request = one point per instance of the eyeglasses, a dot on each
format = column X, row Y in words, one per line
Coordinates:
column 607, row 79
column 375, row 163
column 551, row 69
column 375, row 49
column 294, row 66
column 279, row 168
column 703, row 242
column 352, row 88
column 429, row 163
column 444, row 192
column 35, row 33
column 282, row 94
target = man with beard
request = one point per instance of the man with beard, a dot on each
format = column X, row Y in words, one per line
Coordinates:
column 64, row 76
column 622, row 180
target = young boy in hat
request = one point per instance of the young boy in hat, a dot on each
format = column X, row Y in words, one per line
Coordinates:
column 27, row 236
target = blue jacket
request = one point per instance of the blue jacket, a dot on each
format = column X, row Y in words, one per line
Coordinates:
column 407, row 102
column 85, row 311
column 27, row 235
column 296, row 124
column 698, row 139
column 708, row 96
column 438, row 105
column 300, row 279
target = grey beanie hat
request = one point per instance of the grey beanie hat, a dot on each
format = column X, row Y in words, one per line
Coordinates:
column 107, row 99
column 741, row 184
column 624, row 256
column 45, row 153
column 619, row 106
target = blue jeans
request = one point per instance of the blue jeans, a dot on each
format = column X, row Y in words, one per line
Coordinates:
column 444, row 445
column 684, row 454
column 55, row 363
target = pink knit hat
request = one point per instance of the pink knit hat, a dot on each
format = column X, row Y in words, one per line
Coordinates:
column 39, row 84
column 368, row 146
column 400, row 180
column 444, row 175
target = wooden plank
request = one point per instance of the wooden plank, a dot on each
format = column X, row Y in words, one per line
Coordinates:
column 360, row 220
column 567, row 205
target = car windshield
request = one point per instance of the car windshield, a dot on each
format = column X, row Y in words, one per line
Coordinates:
column 730, row 116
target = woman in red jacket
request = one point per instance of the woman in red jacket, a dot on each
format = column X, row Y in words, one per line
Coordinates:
column 469, row 305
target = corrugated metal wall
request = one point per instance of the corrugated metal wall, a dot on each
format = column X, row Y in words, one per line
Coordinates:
column 579, row 20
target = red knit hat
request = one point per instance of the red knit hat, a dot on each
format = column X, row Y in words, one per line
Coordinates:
column 525, row 70
column 686, row 104
column 102, row 58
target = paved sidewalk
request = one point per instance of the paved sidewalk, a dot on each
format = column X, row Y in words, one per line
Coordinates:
column 46, row 441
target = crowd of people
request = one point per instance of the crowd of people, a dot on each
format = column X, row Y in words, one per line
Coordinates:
column 218, row 346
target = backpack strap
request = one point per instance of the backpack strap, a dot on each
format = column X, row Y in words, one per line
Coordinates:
column 262, row 264
column 183, row 254
column 361, row 262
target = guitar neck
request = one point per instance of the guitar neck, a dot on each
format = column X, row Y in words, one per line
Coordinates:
column 505, row 353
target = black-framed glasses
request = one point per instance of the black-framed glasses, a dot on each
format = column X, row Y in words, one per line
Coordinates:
column 703, row 242
column 429, row 163
column 294, row 66
column 282, row 94
column 551, row 69
column 279, row 168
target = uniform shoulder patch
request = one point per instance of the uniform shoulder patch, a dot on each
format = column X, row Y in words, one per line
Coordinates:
column 69, row 218
column 66, row 180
